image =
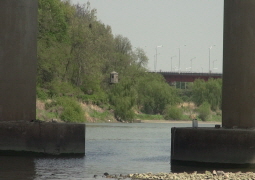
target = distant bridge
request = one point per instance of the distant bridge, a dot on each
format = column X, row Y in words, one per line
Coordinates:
column 172, row 77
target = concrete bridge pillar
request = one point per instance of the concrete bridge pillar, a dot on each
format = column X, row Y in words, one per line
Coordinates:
column 238, row 106
column 18, row 51
column 18, row 54
column 234, row 143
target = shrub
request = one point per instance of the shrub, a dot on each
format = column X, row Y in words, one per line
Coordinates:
column 58, row 89
column 123, row 98
column 207, row 91
column 41, row 94
column 154, row 94
column 68, row 109
column 123, row 109
column 204, row 111
column 72, row 111
column 45, row 115
column 173, row 113
column 148, row 117
column 97, row 98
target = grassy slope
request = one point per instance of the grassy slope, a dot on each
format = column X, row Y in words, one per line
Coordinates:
column 95, row 114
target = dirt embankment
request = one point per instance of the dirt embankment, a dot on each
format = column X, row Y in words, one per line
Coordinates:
column 92, row 113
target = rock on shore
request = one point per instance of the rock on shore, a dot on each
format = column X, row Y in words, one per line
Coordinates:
column 215, row 175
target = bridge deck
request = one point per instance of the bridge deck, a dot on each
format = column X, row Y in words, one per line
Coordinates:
column 188, row 76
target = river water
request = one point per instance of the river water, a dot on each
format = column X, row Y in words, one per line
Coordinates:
column 115, row 148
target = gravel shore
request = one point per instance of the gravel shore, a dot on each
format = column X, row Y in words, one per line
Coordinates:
column 207, row 175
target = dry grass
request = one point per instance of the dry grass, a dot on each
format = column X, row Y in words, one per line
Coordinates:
column 92, row 113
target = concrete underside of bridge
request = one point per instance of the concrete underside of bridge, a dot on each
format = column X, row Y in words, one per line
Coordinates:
column 234, row 143
column 18, row 64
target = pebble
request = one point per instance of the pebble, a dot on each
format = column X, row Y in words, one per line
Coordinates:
column 214, row 175
column 106, row 174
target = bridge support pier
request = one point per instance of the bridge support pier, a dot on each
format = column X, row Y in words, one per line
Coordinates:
column 234, row 143
column 18, row 54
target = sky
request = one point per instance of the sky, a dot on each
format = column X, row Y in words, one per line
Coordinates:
column 191, row 28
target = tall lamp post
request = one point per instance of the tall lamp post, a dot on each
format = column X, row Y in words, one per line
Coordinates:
column 213, row 63
column 156, row 60
column 210, row 58
column 180, row 59
column 171, row 63
column 191, row 63
column 155, row 63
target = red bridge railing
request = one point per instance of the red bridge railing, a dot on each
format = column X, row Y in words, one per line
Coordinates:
column 188, row 76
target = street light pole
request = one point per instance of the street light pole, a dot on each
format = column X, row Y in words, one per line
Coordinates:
column 213, row 62
column 180, row 59
column 171, row 63
column 210, row 58
column 157, row 57
column 191, row 63
column 154, row 62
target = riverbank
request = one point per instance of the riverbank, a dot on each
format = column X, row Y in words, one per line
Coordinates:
column 46, row 111
column 214, row 175
column 171, row 121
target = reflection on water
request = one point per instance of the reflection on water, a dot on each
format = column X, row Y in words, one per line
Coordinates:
column 17, row 168
column 60, row 168
column 113, row 148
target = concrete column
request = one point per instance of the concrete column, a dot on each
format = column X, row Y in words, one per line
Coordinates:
column 238, row 104
column 18, row 51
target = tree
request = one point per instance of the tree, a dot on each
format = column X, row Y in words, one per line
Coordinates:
column 123, row 98
column 204, row 111
column 209, row 91
column 123, row 53
column 155, row 94
column 139, row 58
column 76, row 54
column 172, row 113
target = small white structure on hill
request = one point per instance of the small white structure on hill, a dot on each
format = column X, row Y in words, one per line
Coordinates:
column 113, row 77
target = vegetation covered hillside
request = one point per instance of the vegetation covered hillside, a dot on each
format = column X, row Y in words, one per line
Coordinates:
column 76, row 54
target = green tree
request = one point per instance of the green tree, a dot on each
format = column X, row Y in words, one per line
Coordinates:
column 209, row 91
column 172, row 113
column 123, row 53
column 139, row 58
column 154, row 94
column 204, row 111
column 123, row 98
column 53, row 39
column 67, row 109
column 76, row 54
